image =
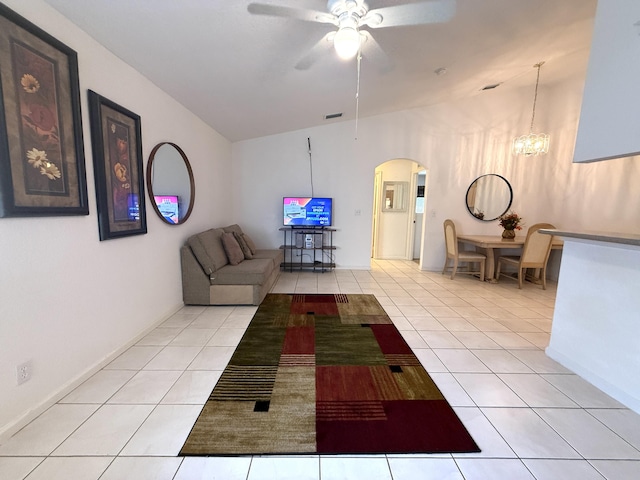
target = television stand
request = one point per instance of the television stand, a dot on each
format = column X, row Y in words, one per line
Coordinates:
column 308, row 248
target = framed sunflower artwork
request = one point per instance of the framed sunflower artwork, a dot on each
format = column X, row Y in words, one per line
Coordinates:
column 42, row 165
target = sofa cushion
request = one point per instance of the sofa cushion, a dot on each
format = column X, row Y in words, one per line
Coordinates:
column 249, row 272
column 232, row 248
column 243, row 245
column 207, row 248
column 275, row 256
column 250, row 243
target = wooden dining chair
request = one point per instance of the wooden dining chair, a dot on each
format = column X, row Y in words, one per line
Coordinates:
column 535, row 254
column 453, row 253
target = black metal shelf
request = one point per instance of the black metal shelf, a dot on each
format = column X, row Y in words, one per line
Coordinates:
column 319, row 248
column 325, row 266
column 293, row 247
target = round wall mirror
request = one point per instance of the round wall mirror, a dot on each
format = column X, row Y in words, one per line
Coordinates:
column 170, row 183
column 489, row 197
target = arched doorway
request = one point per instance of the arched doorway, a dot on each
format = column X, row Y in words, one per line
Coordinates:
column 396, row 226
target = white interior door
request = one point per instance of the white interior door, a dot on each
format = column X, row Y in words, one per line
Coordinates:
column 417, row 236
column 419, row 214
column 375, row 222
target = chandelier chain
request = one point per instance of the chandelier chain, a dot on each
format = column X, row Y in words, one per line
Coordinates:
column 535, row 96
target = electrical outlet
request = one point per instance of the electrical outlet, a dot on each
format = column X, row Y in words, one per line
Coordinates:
column 23, row 372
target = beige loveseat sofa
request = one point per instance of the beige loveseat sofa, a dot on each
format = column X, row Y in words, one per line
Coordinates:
column 221, row 266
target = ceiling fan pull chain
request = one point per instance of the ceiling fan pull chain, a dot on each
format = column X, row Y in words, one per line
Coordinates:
column 358, row 91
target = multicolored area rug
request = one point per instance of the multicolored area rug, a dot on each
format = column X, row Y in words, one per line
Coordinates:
column 326, row 374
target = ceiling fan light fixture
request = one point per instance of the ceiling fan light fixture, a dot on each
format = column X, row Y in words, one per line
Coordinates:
column 347, row 42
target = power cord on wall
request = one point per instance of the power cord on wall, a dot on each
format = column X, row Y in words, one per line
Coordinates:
column 310, row 164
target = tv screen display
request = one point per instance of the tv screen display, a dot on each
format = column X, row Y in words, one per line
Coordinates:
column 168, row 205
column 133, row 207
column 307, row 211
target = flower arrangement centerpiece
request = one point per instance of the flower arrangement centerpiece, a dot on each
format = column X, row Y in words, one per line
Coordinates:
column 510, row 222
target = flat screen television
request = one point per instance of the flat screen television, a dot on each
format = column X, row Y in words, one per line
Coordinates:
column 307, row 211
column 169, row 207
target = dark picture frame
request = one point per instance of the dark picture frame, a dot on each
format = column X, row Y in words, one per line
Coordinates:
column 42, row 164
column 116, row 139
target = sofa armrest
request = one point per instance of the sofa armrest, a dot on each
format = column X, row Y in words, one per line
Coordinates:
column 195, row 282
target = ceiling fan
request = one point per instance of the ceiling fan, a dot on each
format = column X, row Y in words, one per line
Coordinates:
column 350, row 16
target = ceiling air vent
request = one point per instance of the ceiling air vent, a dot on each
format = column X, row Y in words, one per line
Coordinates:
column 331, row 116
column 490, row 87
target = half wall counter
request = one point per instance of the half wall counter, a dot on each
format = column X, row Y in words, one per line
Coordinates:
column 596, row 321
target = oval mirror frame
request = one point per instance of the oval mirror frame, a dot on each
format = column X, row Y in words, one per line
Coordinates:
column 489, row 197
column 149, row 177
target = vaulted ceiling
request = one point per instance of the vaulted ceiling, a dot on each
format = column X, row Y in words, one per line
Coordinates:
column 236, row 70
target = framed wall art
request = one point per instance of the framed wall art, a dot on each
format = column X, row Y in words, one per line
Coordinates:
column 42, row 169
column 116, row 138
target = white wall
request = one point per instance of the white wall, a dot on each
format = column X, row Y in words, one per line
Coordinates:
column 67, row 300
column 608, row 123
column 456, row 142
column 273, row 167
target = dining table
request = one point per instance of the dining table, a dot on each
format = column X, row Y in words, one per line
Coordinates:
column 490, row 243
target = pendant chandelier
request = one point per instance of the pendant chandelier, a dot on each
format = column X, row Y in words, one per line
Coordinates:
column 534, row 143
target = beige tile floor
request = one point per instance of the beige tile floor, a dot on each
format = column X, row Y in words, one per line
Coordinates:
column 482, row 343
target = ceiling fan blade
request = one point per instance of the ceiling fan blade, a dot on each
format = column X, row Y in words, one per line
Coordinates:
column 320, row 48
column 434, row 11
column 297, row 13
column 372, row 50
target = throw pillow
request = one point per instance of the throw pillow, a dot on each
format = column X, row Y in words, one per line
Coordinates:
column 207, row 263
column 243, row 245
column 234, row 252
column 250, row 244
column 235, row 228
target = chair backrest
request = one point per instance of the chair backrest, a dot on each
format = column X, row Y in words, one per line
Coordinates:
column 450, row 238
column 537, row 246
